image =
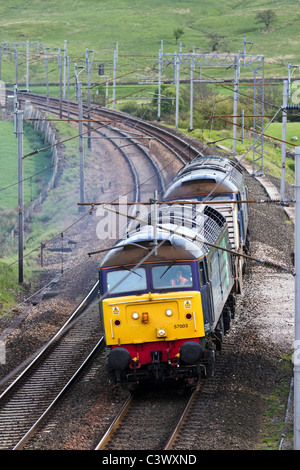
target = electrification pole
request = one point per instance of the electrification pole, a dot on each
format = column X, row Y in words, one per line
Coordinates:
column 80, row 127
column 88, row 71
column 283, row 144
column 20, row 192
column 176, row 61
column 60, row 85
column 27, row 66
column 114, row 75
column 297, row 306
column 235, row 102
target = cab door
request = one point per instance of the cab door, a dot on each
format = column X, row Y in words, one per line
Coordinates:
column 206, row 296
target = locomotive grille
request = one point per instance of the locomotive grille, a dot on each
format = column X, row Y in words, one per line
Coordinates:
column 205, row 221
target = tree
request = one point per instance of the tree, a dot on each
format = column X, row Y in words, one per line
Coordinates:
column 267, row 17
column 217, row 43
column 177, row 33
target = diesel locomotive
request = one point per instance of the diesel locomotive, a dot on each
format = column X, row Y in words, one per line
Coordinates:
column 168, row 288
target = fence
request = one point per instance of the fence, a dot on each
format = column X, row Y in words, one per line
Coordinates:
column 49, row 131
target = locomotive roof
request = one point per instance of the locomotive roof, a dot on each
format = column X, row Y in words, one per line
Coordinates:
column 217, row 170
column 179, row 240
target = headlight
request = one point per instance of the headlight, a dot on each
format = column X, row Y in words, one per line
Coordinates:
column 135, row 315
column 161, row 332
column 169, row 312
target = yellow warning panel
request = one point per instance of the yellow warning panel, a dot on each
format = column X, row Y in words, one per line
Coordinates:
column 150, row 317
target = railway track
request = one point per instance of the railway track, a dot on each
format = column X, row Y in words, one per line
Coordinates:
column 160, row 416
column 183, row 151
column 31, row 396
column 197, row 431
column 150, row 169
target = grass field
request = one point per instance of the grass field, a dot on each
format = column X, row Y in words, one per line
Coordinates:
column 292, row 130
column 57, row 212
column 139, row 26
column 35, row 165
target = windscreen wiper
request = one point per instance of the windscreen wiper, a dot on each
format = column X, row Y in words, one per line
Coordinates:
column 166, row 270
column 124, row 267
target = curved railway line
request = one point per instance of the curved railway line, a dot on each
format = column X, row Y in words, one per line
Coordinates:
column 28, row 407
column 29, row 399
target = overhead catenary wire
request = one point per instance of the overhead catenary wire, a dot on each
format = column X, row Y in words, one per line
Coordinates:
column 90, row 211
column 37, row 151
column 58, row 143
column 185, row 202
column 74, row 223
column 205, row 242
column 28, row 177
column 258, row 132
column 75, row 320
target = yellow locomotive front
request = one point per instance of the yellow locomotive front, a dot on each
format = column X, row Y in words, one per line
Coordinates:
column 146, row 318
column 153, row 314
column 151, row 333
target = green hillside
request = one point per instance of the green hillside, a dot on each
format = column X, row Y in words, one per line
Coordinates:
column 36, row 170
column 138, row 26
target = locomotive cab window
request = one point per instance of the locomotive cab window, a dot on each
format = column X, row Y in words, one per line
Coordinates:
column 124, row 280
column 202, row 274
column 176, row 276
